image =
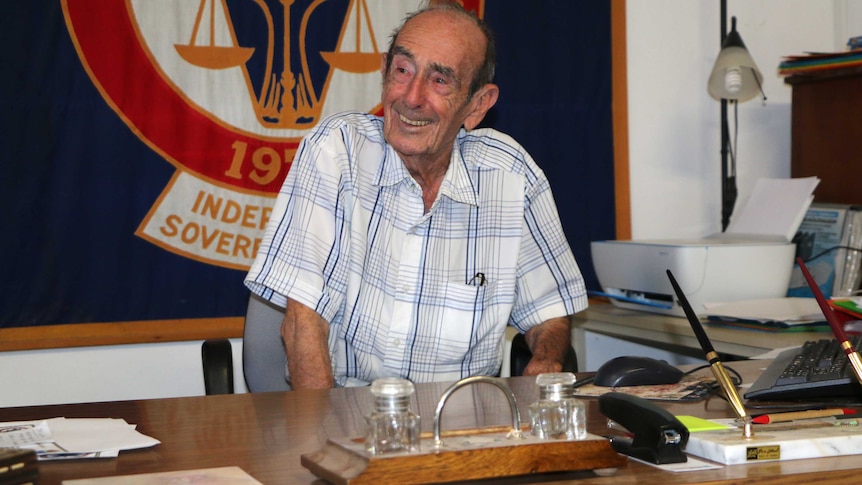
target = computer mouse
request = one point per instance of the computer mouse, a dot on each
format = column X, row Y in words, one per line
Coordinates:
column 636, row 371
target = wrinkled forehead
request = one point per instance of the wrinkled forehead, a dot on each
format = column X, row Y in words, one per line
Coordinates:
column 450, row 38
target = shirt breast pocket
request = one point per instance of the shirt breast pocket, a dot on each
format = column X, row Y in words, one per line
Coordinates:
column 461, row 322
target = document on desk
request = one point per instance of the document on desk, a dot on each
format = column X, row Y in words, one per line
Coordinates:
column 783, row 312
column 229, row 474
column 61, row 438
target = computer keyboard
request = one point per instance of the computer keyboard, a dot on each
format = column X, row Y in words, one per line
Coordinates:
column 817, row 370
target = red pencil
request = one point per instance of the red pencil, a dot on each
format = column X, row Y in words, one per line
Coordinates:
column 817, row 413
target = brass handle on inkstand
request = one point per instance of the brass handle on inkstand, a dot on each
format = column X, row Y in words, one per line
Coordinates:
column 516, row 417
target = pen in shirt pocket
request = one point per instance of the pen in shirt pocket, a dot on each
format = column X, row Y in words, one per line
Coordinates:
column 478, row 280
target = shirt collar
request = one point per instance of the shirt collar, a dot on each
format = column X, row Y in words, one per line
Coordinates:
column 457, row 184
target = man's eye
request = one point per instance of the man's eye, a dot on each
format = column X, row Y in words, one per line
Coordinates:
column 401, row 73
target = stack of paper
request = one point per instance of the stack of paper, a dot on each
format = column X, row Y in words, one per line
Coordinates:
column 769, row 313
column 61, row 438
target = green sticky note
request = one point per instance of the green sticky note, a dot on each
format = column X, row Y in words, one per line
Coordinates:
column 695, row 424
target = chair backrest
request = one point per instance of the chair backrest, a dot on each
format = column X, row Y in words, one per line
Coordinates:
column 263, row 359
column 217, row 360
column 521, row 355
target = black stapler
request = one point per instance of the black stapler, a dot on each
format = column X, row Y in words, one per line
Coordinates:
column 658, row 436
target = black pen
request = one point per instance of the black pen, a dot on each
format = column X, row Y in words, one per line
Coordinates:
column 712, row 357
column 478, row 278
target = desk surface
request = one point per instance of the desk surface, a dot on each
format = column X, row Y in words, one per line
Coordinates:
column 675, row 332
column 266, row 433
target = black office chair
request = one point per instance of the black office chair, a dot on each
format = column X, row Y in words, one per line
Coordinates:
column 217, row 361
column 521, row 356
column 263, row 357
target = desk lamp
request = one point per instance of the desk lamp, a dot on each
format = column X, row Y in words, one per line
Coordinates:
column 734, row 78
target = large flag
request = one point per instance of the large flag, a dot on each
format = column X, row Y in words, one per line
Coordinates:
column 144, row 141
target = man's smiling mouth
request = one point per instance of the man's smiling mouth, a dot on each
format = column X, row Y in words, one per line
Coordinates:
column 413, row 122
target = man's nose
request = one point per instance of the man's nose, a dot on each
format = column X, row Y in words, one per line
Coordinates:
column 415, row 94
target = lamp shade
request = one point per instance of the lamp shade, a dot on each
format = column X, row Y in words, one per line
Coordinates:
column 734, row 75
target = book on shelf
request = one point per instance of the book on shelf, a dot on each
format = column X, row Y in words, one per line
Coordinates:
column 819, row 61
column 829, row 241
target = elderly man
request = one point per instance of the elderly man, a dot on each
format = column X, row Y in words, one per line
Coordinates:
column 404, row 245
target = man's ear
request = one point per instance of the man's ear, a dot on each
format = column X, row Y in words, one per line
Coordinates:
column 483, row 100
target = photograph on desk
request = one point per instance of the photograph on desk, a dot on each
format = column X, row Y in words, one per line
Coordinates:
column 690, row 388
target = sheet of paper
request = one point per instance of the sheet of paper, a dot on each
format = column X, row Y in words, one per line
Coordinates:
column 691, row 465
column 231, row 474
column 96, row 434
column 16, row 434
column 789, row 310
column 776, row 207
column 61, row 438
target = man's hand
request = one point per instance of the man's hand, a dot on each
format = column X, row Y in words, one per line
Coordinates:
column 306, row 345
column 549, row 342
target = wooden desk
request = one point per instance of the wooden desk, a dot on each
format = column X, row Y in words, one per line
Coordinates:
column 675, row 334
column 266, row 433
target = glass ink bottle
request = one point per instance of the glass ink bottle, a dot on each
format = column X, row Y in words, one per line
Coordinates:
column 557, row 415
column 392, row 426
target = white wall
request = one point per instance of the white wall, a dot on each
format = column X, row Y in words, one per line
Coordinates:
column 674, row 166
column 674, row 129
column 107, row 373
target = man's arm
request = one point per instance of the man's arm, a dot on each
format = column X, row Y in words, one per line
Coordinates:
column 306, row 345
column 549, row 342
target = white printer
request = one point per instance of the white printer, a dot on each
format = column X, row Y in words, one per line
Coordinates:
column 634, row 273
column 752, row 260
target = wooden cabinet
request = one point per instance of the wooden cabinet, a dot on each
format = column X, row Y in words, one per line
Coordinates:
column 826, row 132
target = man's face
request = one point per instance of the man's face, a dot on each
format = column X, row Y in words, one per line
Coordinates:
column 425, row 92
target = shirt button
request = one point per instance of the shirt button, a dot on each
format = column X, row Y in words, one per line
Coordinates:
column 396, row 342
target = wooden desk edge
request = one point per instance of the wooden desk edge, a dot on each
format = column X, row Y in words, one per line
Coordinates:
column 118, row 333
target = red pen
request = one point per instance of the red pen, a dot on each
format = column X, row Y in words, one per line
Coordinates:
column 816, row 413
column 834, row 324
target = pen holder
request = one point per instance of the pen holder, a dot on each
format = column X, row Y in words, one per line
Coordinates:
column 471, row 454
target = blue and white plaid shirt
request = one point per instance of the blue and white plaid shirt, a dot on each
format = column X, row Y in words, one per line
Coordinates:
column 424, row 296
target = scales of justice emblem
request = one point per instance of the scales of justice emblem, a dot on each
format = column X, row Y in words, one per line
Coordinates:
column 225, row 90
column 287, row 99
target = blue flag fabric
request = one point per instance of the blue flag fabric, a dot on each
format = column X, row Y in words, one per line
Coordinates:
column 142, row 142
